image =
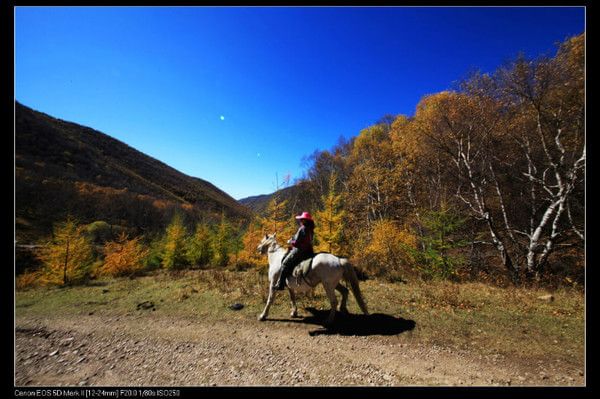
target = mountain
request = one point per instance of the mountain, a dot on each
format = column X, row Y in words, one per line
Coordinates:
column 258, row 203
column 299, row 197
column 62, row 168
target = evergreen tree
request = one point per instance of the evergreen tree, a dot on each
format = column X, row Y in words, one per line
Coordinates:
column 441, row 237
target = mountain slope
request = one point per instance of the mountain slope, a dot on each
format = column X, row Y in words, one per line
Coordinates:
column 299, row 198
column 62, row 167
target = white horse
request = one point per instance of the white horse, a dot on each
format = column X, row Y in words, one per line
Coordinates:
column 326, row 268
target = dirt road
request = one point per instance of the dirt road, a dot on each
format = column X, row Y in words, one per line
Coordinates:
column 146, row 350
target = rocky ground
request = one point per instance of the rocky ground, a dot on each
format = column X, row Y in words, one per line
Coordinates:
column 145, row 350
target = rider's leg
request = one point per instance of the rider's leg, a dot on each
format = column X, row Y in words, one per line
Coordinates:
column 286, row 268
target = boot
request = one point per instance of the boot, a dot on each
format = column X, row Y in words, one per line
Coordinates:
column 280, row 284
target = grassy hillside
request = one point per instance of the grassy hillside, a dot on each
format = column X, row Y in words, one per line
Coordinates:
column 63, row 167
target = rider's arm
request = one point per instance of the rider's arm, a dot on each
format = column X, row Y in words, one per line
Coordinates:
column 298, row 236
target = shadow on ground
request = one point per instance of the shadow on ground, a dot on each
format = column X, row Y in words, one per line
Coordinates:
column 355, row 324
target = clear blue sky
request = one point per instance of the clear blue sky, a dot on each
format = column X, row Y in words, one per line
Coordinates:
column 238, row 96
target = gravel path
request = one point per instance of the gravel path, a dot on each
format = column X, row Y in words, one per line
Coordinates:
column 144, row 350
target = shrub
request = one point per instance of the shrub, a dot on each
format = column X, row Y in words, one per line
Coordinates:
column 99, row 232
column 27, row 280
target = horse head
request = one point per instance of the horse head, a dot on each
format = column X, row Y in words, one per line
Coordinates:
column 266, row 243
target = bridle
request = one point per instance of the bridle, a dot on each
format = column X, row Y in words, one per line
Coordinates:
column 273, row 247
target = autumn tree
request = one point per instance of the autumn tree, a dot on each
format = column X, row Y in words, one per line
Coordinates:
column 545, row 101
column 278, row 220
column 68, row 258
column 331, row 219
column 174, row 250
column 124, row 256
column 250, row 240
column 371, row 176
column 385, row 254
column 222, row 242
column 199, row 250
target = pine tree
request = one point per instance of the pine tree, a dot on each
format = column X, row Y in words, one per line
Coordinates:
column 442, row 227
column 330, row 219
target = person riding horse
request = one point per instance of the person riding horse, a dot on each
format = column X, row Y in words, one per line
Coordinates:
column 301, row 247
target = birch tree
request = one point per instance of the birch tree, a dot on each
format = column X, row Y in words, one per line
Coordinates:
column 545, row 98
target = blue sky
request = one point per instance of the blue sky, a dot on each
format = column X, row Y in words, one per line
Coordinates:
column 239, row 95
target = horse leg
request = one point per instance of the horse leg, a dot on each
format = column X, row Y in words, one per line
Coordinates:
column 265, row 313
column 294, row 307
column 344, row 291
column 330, row 290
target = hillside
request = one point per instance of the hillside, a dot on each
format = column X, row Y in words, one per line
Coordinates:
column 299, row 198
column 64, row 168
column 257, row 203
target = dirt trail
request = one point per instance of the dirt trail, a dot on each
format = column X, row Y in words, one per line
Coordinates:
column 145, row 350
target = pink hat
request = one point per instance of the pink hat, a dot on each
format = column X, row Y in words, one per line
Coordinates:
column 305, row 215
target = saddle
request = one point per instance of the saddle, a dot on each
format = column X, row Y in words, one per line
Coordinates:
column 302, row 269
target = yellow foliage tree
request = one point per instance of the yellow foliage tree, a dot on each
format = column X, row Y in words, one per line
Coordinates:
column 252, row 237
column 222, row 242
column 199, row 250
column 123, row 256
column 330, row 227
column 175, row 243
column 275, row 219
column 385, row 254
column 68, row 257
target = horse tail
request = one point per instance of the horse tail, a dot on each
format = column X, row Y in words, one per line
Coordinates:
column 350, row 277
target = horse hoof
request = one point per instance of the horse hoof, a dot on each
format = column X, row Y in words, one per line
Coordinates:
column 262, row 318
column 294, row 315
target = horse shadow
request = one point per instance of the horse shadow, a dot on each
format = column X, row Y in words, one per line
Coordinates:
column 355, row 324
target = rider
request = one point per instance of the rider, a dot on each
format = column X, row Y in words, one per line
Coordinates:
column 301, row 247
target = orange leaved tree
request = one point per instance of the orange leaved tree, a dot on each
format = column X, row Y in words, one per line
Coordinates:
column 68, row 257
column 124, row 257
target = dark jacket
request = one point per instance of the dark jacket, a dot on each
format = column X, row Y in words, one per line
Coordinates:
column 303, row 239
